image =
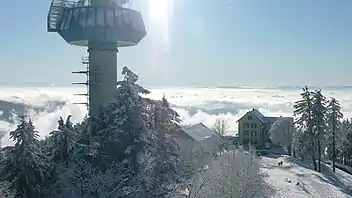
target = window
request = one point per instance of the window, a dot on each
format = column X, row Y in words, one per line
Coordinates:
column 246, row 125
column 82, row 17
column 91, row 18
column 245, row 142
column 246, row 133
column 62, row 27
column 254, row 142
column 253, row 133
column 68, row 20
column 109, row 18
column 249, row 117
column 100, row 20
column 253, row 125
column 75, row 16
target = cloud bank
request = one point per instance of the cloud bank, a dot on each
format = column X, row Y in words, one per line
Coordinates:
column 46, row 105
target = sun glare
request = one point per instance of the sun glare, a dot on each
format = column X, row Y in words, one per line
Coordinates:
column 159, row 33
column 160, row 15
column 159, row 10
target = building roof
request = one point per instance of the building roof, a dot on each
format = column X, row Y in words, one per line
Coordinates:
column 262, row 118
column 272, row 119
column 259, row 115
column 199, row 132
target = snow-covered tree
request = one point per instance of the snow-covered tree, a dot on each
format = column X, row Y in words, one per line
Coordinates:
column 168, row 162
column 126, row 135
column 280, row 132
column 121, row 131
column 89, row 181
column 235, row 174
column 334, row 117
column 300, row 147
column 303, row 120
column 345, row 154
column 319, row 112
column 61, row 142
column 24, row 168
column 221, row 127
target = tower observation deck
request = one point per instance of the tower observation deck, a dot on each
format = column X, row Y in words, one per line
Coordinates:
column 103, row 26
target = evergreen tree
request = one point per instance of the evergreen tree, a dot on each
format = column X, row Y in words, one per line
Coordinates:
column 334, row 115
column 319, row 112
column 61, row 142
column 346, row 154
column 304, row 122
column 59, row 148
column 24, row 167
column 122, row 131
column 299, row 144
column 168, row 164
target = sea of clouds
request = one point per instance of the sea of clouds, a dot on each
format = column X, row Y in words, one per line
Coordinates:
column 45, row 105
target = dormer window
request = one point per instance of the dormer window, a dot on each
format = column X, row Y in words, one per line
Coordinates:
column 249, row 117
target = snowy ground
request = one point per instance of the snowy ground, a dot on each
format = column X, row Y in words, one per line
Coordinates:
column 310, row 183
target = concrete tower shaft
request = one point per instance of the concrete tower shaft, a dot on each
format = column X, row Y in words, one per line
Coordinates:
column 102, row 65
column 102, row 26
column 102, row 74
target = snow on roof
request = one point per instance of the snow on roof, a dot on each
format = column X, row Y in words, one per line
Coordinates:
column 264, row 119
column 272, row 119
column 259, row 115
column 199, row 132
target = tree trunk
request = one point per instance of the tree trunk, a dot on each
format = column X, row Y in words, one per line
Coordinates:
column 319, row 156
column 314, row 160
column 333, row 144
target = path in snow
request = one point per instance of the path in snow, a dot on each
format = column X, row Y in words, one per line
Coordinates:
column 311, row 183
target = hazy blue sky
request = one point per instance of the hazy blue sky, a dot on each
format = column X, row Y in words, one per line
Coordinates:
column 211, row 42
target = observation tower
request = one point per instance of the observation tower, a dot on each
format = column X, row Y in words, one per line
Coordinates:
column 103, row 26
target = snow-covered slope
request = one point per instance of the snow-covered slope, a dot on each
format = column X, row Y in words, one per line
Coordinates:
column 297, row 179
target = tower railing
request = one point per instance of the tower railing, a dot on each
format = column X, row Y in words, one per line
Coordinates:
column 56, row 12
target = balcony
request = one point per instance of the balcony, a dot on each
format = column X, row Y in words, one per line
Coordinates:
column 80, row 22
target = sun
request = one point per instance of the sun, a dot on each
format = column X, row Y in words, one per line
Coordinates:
column 159, row 10
column 160, row 17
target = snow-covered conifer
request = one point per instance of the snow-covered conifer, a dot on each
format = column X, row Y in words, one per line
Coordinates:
column 303, row 120
column 123, row 135
column 168, row 162
column 346, row 153
column 319, row 112
column 334, row 117
column 61, row 142
column 24, row 169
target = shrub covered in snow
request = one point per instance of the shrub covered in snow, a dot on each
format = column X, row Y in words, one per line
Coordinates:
column 234, row 174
